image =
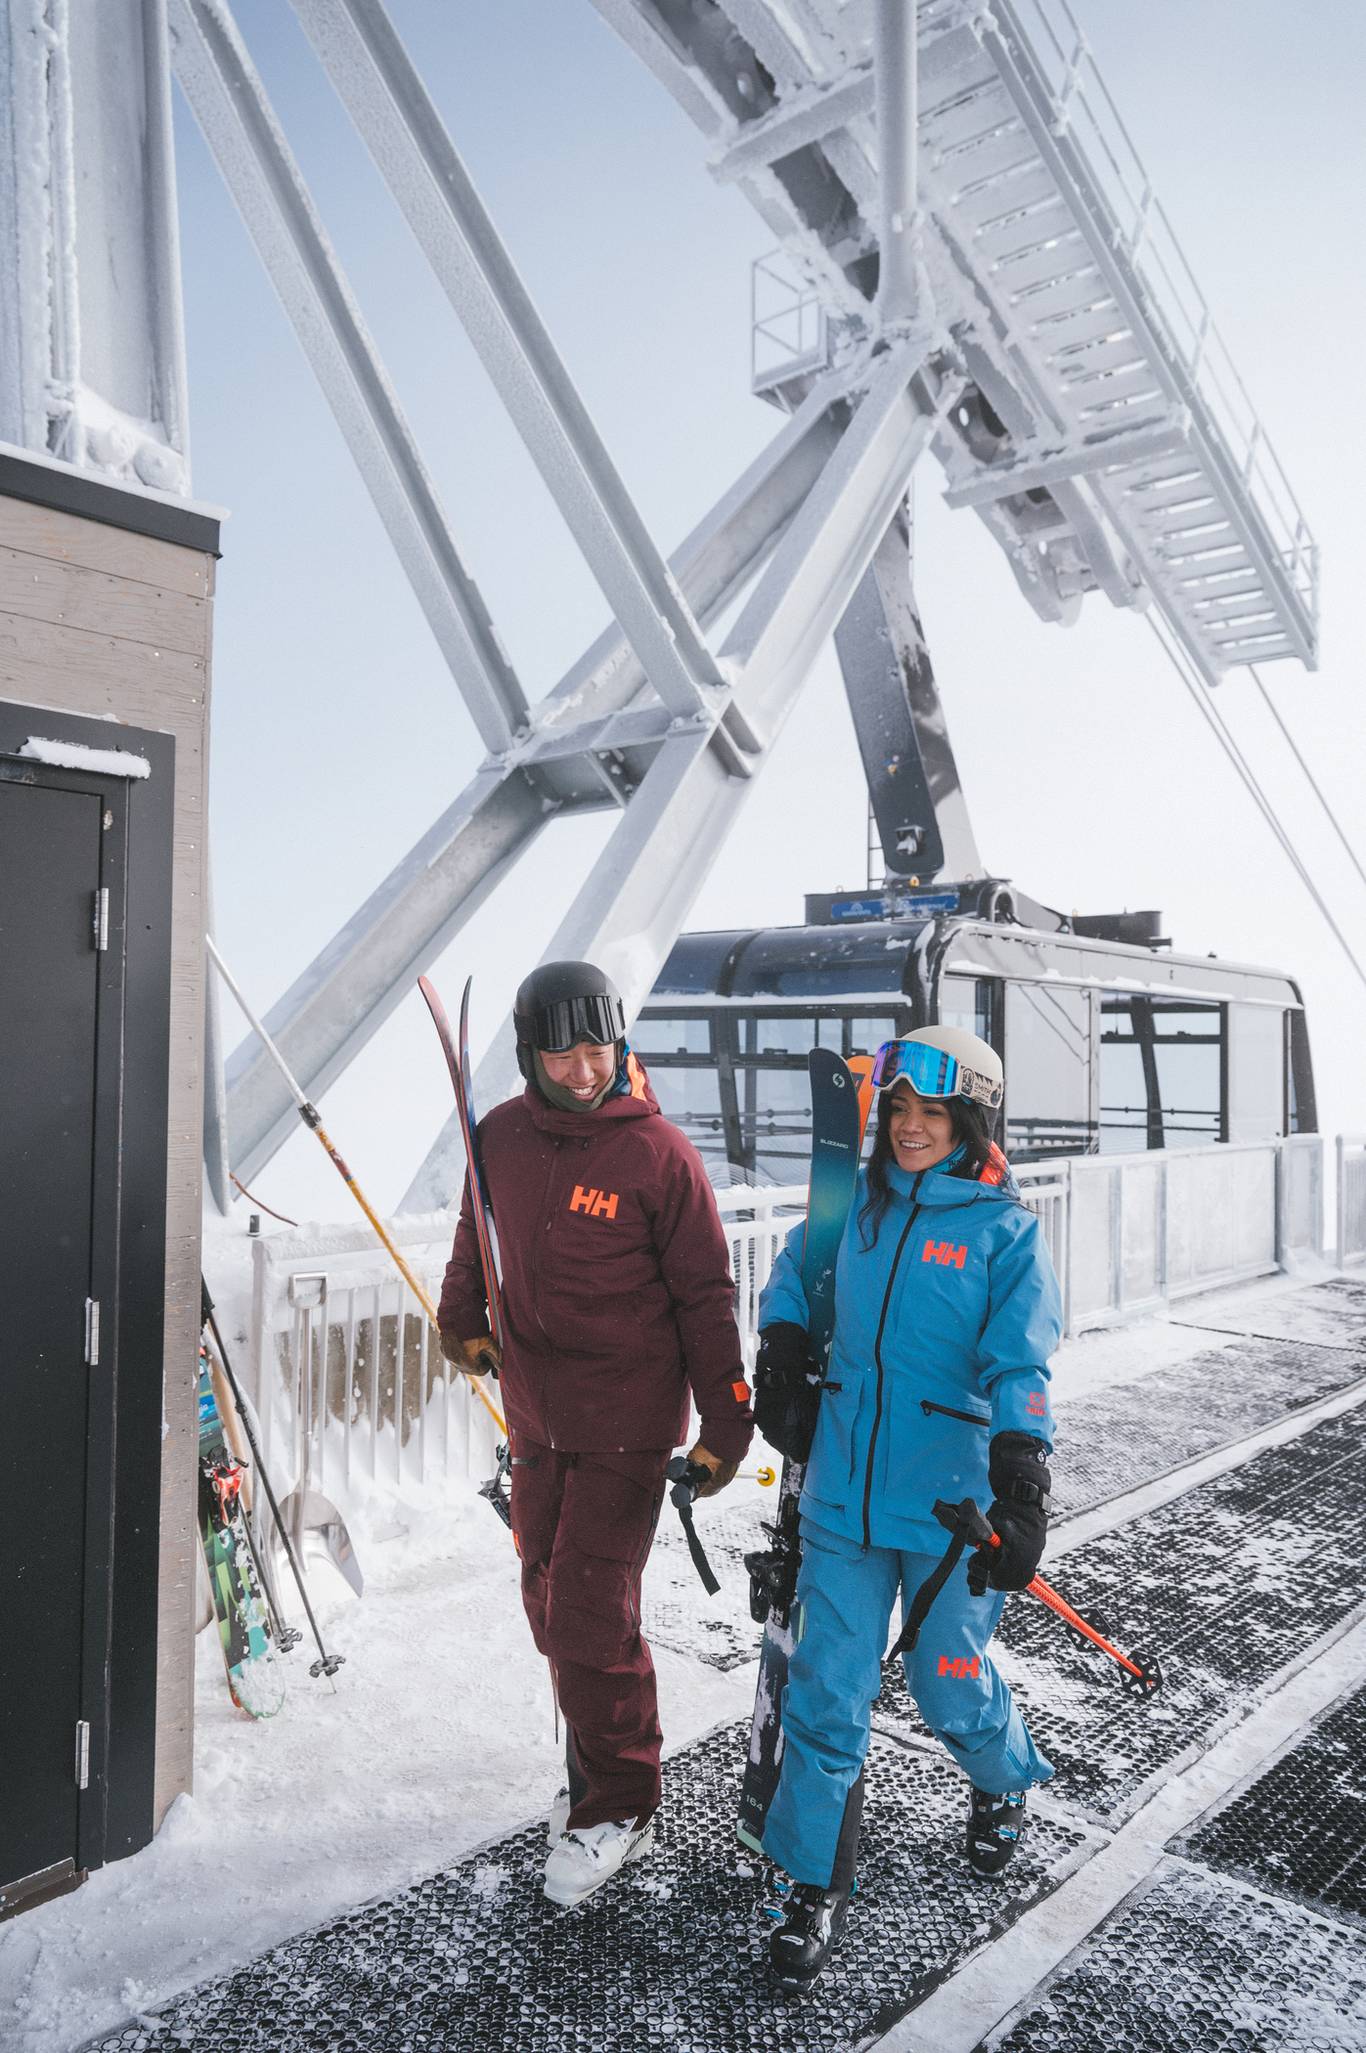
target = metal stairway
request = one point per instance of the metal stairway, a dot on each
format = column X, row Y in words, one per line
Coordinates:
column 1118, row 449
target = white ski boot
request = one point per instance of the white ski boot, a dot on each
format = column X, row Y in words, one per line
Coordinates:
column 582, row 1860
column 557, row 1822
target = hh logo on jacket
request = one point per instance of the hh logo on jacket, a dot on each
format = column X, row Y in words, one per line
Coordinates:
column 959, row 1665
column 598, row 1204
column 943, row 1252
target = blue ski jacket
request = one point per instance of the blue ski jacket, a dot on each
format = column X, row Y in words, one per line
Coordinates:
column 943, row 1330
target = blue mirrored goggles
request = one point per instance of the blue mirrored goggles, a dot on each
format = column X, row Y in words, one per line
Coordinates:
column 932, row 1074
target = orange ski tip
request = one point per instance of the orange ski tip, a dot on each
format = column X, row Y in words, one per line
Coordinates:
column 637, row 1077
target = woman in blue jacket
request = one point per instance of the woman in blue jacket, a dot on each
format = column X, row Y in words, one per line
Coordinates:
column 946, row 1312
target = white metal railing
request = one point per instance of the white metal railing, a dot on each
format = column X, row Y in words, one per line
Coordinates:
column 788, row 325
column 1084, row 111
column 348, row 1377
column 1351, row 1198
column 353, row 1392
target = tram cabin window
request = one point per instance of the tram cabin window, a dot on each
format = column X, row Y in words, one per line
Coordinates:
column 1048, row 1104
column 1161, row 1073
column 658, row 1033
column 1256, row 1072
column 968, row 1002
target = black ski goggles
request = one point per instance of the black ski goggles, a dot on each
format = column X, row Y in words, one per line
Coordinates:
column 556, row 1028
column 932, row 1074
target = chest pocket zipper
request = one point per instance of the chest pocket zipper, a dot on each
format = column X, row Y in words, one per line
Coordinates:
column 947, row 1411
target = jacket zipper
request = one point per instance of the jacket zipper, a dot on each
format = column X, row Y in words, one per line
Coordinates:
column 877, row 1357
column 970, row 1417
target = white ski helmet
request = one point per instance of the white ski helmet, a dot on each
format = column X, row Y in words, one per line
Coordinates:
column 943, row 1062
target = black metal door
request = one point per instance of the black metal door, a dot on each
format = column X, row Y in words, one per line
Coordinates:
column 54, row 1447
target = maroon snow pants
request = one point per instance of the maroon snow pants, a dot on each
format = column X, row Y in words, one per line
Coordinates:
column 583, row 1525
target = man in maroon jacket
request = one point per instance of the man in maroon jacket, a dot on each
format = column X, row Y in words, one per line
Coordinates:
column 618, row 1308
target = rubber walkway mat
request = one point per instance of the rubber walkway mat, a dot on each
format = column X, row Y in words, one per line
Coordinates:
column 1223, row 1584
column 1189, row 1964
column 670, row 1955
column 677, row 1612
column 1329, row 1314
column 1130, row 1432
column 1300, row 1829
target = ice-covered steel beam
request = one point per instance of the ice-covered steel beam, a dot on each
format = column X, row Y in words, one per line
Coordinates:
column 230, row 104
column 373, row 961
column 344, row 996
column 795, row 124
column 908, row 760
column 632, row 906
column 92, row 354
column 896, row 46
column 1038, row 470
column 390, row 106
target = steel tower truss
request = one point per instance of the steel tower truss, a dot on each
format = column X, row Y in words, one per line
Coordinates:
column 993, row 279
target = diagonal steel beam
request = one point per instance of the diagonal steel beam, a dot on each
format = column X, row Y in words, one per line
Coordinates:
column 344, row 996
column 632, row 906
column 229, row 103
column 386, row 99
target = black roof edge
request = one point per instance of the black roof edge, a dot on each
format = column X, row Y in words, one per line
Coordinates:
column 67, row 490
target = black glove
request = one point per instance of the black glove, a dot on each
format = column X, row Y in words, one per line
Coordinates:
column 1020, row 1485
column 787, row 1389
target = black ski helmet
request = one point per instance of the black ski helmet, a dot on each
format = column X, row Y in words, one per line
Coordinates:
column 561, row 1004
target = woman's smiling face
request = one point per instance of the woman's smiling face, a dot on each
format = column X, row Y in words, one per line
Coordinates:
column 920, row 1129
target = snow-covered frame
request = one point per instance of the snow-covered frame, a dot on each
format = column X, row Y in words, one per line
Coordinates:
column 1037, row 328
column 92, row 356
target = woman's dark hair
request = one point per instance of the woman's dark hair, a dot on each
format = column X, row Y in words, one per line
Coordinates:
column 973, row 1126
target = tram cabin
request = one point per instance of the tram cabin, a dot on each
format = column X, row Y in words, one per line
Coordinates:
column 1111, row 1043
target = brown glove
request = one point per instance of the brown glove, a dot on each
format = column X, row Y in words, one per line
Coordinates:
column 722, row 1472
column 476, row 1357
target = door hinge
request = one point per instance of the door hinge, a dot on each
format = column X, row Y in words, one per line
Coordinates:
column 101, row 918
column 83, row 1754
column 92, row 1331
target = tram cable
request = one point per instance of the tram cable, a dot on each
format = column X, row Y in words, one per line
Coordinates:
column 1309, row 775
column 1215, row 721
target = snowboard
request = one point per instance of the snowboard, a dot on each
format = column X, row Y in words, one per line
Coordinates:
column 839, row 1102
column 241, row 1610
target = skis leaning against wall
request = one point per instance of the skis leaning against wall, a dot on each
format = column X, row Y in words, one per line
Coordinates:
column 236, row 1583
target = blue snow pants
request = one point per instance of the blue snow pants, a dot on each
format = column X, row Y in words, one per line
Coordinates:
column 845, row 1595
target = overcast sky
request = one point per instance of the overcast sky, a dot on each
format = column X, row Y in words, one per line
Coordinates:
column 338, row 734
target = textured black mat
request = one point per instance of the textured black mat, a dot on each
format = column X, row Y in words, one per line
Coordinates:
column 1189, row 1964
column 1224, row 1584
column 670, row 1955
column 1128, row 1433
column 1300, row 1829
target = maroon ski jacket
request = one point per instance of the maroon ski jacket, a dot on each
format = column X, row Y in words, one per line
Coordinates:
column 617, row 1295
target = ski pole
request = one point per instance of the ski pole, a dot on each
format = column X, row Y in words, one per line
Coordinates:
column 688, row 1478
column 312, row 1119
column 1141, row 1672
column 326, row 1664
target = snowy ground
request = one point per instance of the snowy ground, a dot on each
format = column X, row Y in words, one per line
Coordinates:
column 439, row 1736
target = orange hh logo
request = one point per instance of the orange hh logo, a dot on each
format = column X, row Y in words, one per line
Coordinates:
column 944, row 1253
column 959, row 1665
column 1035, row 1404
column 598, row 1204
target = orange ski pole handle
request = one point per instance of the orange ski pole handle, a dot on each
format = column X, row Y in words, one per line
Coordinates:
column 1139, row 1672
